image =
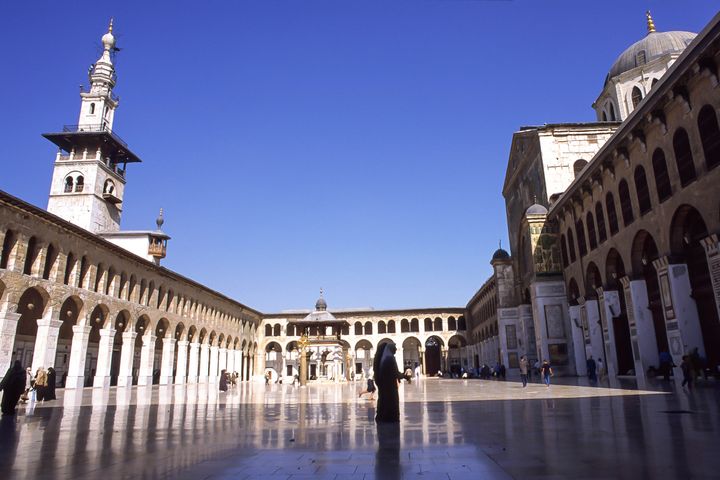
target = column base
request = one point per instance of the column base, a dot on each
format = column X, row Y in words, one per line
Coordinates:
column 166, row 380
column 101, row 381
column 124, row 381
column 145, row 380
column 75, row 382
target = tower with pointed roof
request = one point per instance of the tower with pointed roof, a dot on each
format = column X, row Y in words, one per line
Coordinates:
column 88, row 181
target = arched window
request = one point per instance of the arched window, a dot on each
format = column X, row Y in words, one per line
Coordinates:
column 452, row 324
column 276, row 330
column 611, row 213
column 290, row 331
column 571, row 245
column 382, row 327
column 462, row 325
column 600, row 218
column 109, row 187
column 563, row 251
column 625, row 204
column 580, row 232
column 709, row 135
column 358, row 328
column 79, row 183
column 368, row 328
column 592, row 237
column 683, row 157
column 30, row 255
column 404, row 325
column 268, row 330
column 612, row 113
column 428, row 324
column 92, row 109
column 391, row 326
column 578, row 167
column 636, row 96
column 414, row 325
column 641, row 188
column 68, row 184
column 438, row 326
column 662, row 179
column 640, row 59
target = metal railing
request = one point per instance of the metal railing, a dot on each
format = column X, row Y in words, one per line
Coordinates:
column 97, row 127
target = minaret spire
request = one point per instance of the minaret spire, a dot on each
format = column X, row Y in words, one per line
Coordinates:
column 650, row 23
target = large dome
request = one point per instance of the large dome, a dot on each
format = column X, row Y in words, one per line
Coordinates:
column 655, row 45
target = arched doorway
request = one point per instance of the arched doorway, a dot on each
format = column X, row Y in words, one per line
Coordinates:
column 141, row 327
column 614, row 271
column 644, row 252
column 69, row 314
column 31, row 307
column 433, row 352
column 686, row 231
column 456, row 350
column 98, row 318
column 273, row 360
column 122, row 320
column 411, row 353
column 363, row 358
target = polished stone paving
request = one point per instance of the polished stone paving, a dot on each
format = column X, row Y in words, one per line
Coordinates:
column 450, row 429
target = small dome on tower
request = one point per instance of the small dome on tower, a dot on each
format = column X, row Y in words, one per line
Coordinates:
column 536, row 209
column 321, row 304
column 500, row 254
column 108, row 40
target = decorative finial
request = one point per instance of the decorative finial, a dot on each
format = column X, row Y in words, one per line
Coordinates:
column 110, row 26
column 650, row 23
column 321, row 292
column 534, row 198
column 500, row 243
column 160, row 220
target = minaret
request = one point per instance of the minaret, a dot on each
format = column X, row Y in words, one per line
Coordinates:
column 89, row 174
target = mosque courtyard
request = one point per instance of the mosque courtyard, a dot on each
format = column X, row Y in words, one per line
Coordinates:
column 450, row 429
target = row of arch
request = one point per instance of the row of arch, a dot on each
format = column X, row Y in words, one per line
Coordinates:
column 685, row 173
column 367, row 328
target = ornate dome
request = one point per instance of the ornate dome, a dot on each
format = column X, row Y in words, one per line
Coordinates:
column 321, row 304
column 500, row 254
column 655, row 45
column 536, row 209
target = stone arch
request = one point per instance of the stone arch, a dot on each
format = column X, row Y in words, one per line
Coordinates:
column 452, row 324
column 382, row 327
column 644, row 252
column 573, row 292
column 180, row 333
column 411, row 352
column 593, row 280
column 433, row 355
column 71, row 310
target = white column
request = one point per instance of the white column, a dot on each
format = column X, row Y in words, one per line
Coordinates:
column 104, row 363
column 127, row 354
column 181, row 368
column 609, row 304
column 594, row 327
column 642, row 329
column 682, row 322
column 578, row 339
column 78, row 354
column 230, row 360
column 222, row 360
column 147, row 356
column 166, row 363
column 204, row 363
column 8, row 327
column 214, row 358
column 194, row 363
column 712, row 250
column 46, row 341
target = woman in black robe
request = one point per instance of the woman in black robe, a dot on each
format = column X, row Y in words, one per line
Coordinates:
column 13, row 384
column 223, row 381
column 50, row 389
column 386, row 379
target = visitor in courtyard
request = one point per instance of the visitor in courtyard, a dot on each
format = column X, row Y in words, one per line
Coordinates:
column 268, row 377
column 601, row 369
column 387, row 377
column 666, row 365
column 524, row 370
column 41, row 383
column 223, row 381
column 29, row 381
column 50, row 388
column 370, row 389
column 502, row 371
column 13, row 385
column 417, row 372
column 591, row 370
column 408, row 374
column 546, row 372
column 687, row 371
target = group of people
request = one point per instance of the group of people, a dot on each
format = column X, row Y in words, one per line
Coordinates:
column 544, row 369
column 595, row 369
column 227, row 378
column 21, row 385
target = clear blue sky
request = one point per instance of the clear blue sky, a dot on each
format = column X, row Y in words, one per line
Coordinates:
column 358, row 146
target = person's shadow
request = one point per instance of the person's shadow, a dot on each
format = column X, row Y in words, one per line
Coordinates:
column 387, row 458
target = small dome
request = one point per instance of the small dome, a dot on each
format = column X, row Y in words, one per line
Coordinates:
column 321, row 304
column 536, row 209
column 655, row 45
column 108, row 40
column 500, row 254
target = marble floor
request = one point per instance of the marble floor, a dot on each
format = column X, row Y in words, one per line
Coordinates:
column 450, row 429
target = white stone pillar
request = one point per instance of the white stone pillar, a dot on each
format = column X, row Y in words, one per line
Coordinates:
column 578, row 339
column 78, row 354
column 609, row 305
column 642, row 329
column 712, row 250
column 147, row 357
column 127, row 353
column 182, row 358
column 166, row 363
column 594, row 330
column 194, row 363
column 8, row 327
column 214, row 359
column 104, row 363
column 230, row 361
column 682, row 322
column 222, row 360
column 204, row 363
column 46, row 341
column 238, row 364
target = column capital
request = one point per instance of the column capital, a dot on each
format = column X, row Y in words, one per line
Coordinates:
column 168, row 341
column 183, row 343
column 148, row 339
column 81, row 329
column 129, row 336
column 107, row 332
column 48, row 322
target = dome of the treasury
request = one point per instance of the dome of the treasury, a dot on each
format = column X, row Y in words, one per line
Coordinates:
column 655, row 45
column 500, row 254
column 536, row 209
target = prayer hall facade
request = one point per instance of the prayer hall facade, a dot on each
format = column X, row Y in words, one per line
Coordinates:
column 613, row 253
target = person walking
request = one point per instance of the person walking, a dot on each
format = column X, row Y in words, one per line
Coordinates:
column 41, row 383
column 601, row 369
column 388, row 381
column 591, row 370
column 524, row 370
column 687, row 370
column 370, row 389
column 223, row 381
column 546, row 372
column 50, row 387
column 29, row 381
column 13, row 385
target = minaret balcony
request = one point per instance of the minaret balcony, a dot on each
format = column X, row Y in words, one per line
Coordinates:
column 111, row 198
column 99, row 127
column 157, row 250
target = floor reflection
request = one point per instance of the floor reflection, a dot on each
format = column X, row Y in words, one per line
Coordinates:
column 451, row 428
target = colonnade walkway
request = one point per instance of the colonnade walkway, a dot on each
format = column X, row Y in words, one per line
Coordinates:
column 450, row 429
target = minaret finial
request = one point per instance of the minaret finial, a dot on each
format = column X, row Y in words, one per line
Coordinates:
column 321, row 292
column 110, row 27
column 160, row 220
column 650, row 23
column 500, row 243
